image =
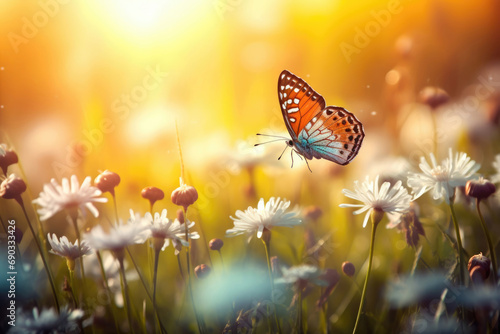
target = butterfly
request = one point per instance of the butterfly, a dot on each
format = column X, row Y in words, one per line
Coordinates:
column 317, row 131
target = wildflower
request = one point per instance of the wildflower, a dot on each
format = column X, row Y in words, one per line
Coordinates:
column 152, row 194
column 118, row 237
column 64, row 248
column 481, row 264
column 348, row 268
column 202, row 271
column 107, row 181
column 442, row 179
column 184, row 195
column 434, row 96
column 216, row 244
column 301, row 275
column 393, row 200
column 7, row 157
column 12, row 187
column 496, row 164
column 48, row 321
column 163, row 230
column 264, row 217
column 410, row 225
column 480, row 189
column 55, row 197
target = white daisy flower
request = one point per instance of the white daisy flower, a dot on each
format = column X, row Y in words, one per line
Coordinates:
column 48, row 321
column 163, row 228
column 442, row 179
column 118, row 237
column 496, row 164
column 64, row 248
column 394, row 200
column 265, row 216
column 302, row 273
column 55, row 197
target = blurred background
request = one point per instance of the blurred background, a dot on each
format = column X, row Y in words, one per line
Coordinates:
column 92, row 85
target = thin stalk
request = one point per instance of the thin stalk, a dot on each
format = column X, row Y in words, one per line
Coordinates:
column 222, row 261
column 78, row 238
column 299, row 310
column 370, row 258
column 180, row 266
column 490, row 243
column 266, row 247
column 72, row 290
column 115, row 206
column 162, row 328
column 155, row 275
column 108, row 290
column 461, row 263
column 190, row 288
column 126, row 299
column 51, row 280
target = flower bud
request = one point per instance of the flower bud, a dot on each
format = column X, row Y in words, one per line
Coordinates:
column 348, row 268
column 482, row 263
column 480, row 189
column 266, row 235
column 12, row 187
column 107, row 181
column 433, row 96
column 202, row 271
column 184, row 195
column 312, row 212
column 7, row 158
column 152, row 194
column 216, row 244
column 71, row 264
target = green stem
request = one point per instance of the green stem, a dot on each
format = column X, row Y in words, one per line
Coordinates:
column 115, row 206
column 488, row 238
column 370, row 258
column 221, row 261
column 51, row 280
column 108, row 290
column 461, row 263
column 299, row 311
column 190, row 288
column 126, row 299
column 266, row 247
column 78, row 238
column 162, row 328
column 155, row 275
column 72, row 283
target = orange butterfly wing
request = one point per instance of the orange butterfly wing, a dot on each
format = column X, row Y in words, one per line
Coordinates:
column 298, row 101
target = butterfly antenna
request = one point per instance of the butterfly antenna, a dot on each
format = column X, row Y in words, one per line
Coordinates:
column 263, row 134
column 283, row 152
column 279, row 138
column 270, row 141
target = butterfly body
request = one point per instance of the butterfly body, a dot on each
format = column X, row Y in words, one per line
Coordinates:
column 317, row 131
